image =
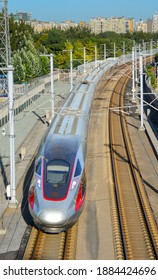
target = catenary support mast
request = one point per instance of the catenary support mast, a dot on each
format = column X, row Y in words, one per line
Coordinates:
column 4, row 34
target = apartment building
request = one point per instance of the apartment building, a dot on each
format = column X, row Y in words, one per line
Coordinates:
column 141, row 26
column 149, row 25
column 115, row 24
column 23, row 16
column 40, row 26
column 155, row 23
column 96, row 25
column 67, row 24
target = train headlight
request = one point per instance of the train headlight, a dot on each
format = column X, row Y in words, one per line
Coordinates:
column 38, row 182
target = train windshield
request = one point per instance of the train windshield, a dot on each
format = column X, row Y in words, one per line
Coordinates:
column 57, row 172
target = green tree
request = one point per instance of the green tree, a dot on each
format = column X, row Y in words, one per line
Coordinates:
column 31, row 44
column 19, row 69
column 45, row 65
column 63, row 58
column 54, row 41
column 25, row 62
column 19, row 31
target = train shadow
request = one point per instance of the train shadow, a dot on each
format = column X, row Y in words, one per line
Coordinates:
column 3, row 173
column 24, row 206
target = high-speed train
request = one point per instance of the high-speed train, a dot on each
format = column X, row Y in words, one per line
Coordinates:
column 57, row 195
column 57, row 192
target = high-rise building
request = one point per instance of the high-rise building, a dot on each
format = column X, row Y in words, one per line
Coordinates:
column 149, row 25
column 23, row 16
column 115, row 24
column 155, row 23
column 141, row 26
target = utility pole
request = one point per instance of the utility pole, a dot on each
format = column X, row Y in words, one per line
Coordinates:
column 51, row 81
column 5, row 51
column 124, row 51
column 95, row 55
column 7, row 79
column 84, row 63
column 4, row 34
column 133, row 74
column 104, row 50
column 141, row 91
column 71, row 69
column 114, row 50
column 11, row 188
column 151, row 51
column 13, row 201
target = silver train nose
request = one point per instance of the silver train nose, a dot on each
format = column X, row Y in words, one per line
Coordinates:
column 52, row 216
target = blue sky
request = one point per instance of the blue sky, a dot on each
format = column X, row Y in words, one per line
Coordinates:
column 83, row 10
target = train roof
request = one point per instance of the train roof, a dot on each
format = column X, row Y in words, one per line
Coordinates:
column 72, row 119
column 62, row 147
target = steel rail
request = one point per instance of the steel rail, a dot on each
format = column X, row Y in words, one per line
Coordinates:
column 146, row 221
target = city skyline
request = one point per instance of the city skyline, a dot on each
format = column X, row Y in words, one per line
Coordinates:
column 84, row 10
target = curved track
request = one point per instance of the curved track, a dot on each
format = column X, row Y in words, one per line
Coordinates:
column 133, row 226
column 138, row 228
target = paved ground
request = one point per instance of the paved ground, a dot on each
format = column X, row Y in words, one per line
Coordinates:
column 95, row 236
column 147, row 160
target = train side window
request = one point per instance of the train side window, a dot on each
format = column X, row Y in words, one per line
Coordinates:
column 38, row 167
column 78, row 169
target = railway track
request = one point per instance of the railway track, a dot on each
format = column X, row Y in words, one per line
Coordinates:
column 44, row 246
column 134, row 228
column 134, row 219
column 55, row 246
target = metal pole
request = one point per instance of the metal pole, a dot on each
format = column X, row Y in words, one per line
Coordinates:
column 124, row 51
column 105, row 51
column 51, row 80
column 151, row 50
column 141, row 91
column 52, row 83
column 13, row 200
column 71, row 74
column 133, row 73
column 144, row 48
column 95, row 56
column 136, row 74
column 84, row 69
column 114, row 50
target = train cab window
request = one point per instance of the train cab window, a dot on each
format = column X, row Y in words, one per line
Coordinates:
column 57, row 172
column 78, row 169
column 38, row 167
